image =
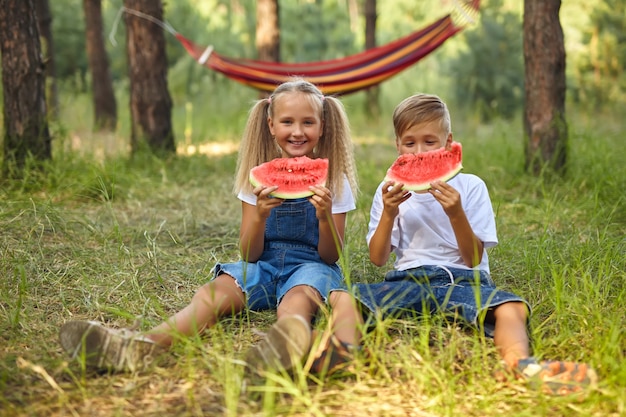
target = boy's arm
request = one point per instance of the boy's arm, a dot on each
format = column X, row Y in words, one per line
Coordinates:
column 380, row 243
column 470, row 246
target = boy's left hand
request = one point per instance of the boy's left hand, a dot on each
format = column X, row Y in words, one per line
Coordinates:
column 448, row 197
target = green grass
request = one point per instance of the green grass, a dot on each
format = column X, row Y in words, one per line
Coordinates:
column 108, row 239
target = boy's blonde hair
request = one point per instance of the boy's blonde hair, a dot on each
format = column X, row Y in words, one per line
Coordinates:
column 420, row 108
column 258, row 146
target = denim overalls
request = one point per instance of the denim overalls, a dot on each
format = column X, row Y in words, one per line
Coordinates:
column 290, row 258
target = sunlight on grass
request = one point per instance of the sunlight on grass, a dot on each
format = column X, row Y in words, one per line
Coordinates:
column 100, row 237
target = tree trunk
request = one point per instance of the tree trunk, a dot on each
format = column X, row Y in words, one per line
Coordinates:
column 372, row 105
column 150, row 102
column 105, row 106
column 44, row 19
column 545, row 86
column 267, row 32
column 23, row 81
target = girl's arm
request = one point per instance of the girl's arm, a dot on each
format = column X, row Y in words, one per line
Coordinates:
column 331, row 242
column 253, row 218
column 331, row 226
column 470, row 246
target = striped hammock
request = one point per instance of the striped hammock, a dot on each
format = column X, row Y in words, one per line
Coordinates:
column 343, row 75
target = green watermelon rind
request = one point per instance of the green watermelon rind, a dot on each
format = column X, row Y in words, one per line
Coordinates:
column 290, row 195
column 425, row 185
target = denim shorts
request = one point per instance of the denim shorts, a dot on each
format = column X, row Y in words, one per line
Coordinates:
column 456, row 292
column 281, row 268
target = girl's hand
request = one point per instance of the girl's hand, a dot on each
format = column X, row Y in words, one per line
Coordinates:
column 322, row 200
column 448, row 197
column 393, row 196
column 264, row 201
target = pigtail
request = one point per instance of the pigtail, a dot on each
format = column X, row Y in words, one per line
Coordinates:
column 257, row 145
column 336, row 145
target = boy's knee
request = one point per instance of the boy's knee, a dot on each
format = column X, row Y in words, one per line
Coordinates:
column 512, row 310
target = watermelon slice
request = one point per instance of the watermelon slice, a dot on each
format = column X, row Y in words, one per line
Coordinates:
column 417, row 171
column 293, row 176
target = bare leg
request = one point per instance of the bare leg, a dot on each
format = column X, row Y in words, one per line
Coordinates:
column 510, row 335
column 346, row 318
column 213, row 300
column 289, row 339
column 301, row 300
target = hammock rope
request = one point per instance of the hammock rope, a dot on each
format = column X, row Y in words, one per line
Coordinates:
column 336, row 76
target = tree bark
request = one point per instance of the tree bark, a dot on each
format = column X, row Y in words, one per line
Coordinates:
column 545, row 87
column 105, row 106
column 150, row 102
column 44, row 18
column 372, row 104
column 26, row 130
column 267, row 32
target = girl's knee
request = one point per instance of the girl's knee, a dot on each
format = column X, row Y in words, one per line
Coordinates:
column 223, row 288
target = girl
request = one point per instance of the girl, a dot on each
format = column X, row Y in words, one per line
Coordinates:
column 289, row 248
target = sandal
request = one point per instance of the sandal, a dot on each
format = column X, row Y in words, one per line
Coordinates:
column 99, row 347
column 335, row 357
column 283, row 347
column 557, row 377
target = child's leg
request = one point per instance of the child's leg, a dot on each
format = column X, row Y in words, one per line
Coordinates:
column 300, row 300
column 289, row 339
column 339, row 346
column 554, row 377
column 213, row 300
column 510, row 334
column 346, row 318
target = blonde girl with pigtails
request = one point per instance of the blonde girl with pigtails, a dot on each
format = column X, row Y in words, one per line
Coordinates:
column 289, row 249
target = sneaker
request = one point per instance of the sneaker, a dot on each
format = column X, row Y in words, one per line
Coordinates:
column 334, row 357
column 283, row 347
column 557, row 377
column 104, row 348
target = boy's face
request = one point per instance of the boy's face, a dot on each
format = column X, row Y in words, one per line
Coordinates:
column 423, row 137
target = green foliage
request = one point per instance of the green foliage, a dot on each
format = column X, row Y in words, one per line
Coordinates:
column 313, row 31
column 489, row 73
column 68, row 32
column 599, row 74
column 482, row 67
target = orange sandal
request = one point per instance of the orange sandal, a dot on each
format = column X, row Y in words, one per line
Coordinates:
column 557, row 377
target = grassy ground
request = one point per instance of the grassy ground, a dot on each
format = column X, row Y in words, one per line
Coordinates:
column 116, row 241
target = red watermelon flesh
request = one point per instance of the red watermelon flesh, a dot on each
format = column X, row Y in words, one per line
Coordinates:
column 293, row 176
column 418, row 171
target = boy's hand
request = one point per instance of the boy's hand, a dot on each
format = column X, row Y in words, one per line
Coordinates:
column 322, row 200
column 448, row 197
column 264, row 201
column 393, row 196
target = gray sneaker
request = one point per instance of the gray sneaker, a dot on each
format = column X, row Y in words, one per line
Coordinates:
column 283, row 347
column 104, row 348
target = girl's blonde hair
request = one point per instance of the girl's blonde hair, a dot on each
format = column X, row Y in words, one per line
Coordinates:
column 258, row 146
column 421, row 108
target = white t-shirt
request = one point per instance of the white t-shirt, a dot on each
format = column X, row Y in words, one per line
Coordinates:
column 341, row 203
column 422, row 234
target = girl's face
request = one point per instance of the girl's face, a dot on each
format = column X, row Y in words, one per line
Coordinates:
column 296, row 124
column 423, row 137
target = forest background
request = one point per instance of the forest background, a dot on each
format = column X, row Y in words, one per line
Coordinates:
column 103, row 237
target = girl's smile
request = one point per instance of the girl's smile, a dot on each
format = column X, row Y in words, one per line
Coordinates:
column 296, row 125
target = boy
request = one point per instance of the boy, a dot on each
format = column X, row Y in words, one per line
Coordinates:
column 440, row 239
